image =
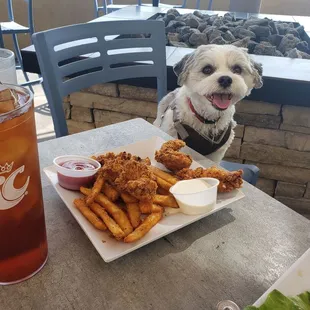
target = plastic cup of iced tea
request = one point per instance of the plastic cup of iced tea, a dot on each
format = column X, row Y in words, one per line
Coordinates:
column 23, row 244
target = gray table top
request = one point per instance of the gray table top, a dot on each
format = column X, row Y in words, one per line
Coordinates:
column 235, row 254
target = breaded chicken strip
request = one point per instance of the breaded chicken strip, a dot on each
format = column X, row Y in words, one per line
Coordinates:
column 229, row 180
column 129, row 174
column 171, row 158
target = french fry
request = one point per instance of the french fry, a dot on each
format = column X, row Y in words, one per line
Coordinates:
column 163, row 183
column 162, row 191
column 149, row 222
column 95, row 190
column 166, row 201
column 134, row 214
column 127, row 198
column 110, row 223
column 164, row 175
column 89, row 215
column 145, row 206
column 110, row 192
column 156, row 208
column 117, row 213
column 149, row 207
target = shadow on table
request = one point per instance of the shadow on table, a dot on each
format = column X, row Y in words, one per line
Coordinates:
column 185, row 237
column 182, row 239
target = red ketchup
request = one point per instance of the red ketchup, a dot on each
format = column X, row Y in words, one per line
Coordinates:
column 75, row 182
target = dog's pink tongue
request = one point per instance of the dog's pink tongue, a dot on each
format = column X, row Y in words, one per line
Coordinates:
column 221, row 101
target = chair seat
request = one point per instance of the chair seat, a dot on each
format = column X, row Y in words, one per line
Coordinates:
column 250, row 172
column 13, row 27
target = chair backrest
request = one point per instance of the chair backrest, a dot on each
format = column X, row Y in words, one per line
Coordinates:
column 210, row 4
column 1, row 39
column 29, row 12
column 96, row 8
column 78, row 56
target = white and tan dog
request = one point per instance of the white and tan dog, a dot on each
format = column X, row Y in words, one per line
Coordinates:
column 213, row 79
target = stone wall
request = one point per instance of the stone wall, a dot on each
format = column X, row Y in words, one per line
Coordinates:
column 274, row 137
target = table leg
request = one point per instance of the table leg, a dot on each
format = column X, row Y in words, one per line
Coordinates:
column 155, row 2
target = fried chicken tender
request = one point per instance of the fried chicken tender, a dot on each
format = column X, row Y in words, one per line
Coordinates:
column 171, row 158
column 129, row 174
column 138, row 180
column 103, row 159
column 229, row 180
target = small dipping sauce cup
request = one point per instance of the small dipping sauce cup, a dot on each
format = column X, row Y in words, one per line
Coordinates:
column 195, row 196
column 74, row 171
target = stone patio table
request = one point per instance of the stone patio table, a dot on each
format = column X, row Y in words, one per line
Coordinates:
column 236, row 253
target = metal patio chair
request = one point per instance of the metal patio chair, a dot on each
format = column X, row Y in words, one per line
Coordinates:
column 13, row 28
column 107, row 7
column 250, row 172
column 79, row 56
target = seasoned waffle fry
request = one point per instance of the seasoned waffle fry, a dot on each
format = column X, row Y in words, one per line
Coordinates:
column 166, row 201
column 149, row 222
column 95, row 190
column 89, row 215
column 110, row 191
column 110, row 223
column 134, row 214
column 116, row 212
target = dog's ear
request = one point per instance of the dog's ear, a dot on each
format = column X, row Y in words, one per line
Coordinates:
column 181, row 69
column 257, row 70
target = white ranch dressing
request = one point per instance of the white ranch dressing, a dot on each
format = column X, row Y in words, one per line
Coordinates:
column 195, row 196
column 192, row 187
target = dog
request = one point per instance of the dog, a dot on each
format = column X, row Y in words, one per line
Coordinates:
column 213, row 79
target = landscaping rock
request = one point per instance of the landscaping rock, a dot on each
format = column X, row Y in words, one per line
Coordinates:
column 241, row 33
column 202, row 26
column 303, row 46
column 242, row 43
column 260, row 36
column 197, row 39
column 275, row 39
column 255, row 22
column 218, row 22
column 199, row 14
column 228, row 36
column 288, row 42
column 265, row 49
column 173, row 25
column 173, row 12
column 260, row 31
column 219, row 40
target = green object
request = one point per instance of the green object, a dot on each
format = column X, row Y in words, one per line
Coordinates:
column 277, row 301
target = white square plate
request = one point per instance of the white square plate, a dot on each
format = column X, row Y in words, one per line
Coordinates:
column 294, row 281
column 107, row 247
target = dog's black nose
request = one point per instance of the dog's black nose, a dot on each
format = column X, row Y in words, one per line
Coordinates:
column 225, row 81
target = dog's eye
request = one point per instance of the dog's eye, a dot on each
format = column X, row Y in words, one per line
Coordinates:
column 236, row 69
column 208, row 70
